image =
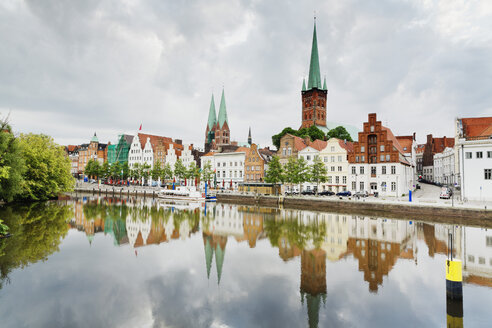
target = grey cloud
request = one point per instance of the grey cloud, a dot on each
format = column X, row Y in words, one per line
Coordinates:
column 111, row 65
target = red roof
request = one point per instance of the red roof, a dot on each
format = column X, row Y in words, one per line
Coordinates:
column 441, row 143
column 420, row 148
column 71, row 148
column 406, row 143
column 477, row 127
column 392, row 137
column 318, row 144
column 348, row 146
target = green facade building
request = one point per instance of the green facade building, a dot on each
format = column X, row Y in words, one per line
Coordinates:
column 119, row 151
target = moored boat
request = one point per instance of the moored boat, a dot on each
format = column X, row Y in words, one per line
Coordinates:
column 182, row 193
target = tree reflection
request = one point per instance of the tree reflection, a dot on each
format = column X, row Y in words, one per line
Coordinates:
column 37, row 230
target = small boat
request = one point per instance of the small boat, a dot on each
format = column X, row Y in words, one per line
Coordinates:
column 182, row 193
column 210, row 198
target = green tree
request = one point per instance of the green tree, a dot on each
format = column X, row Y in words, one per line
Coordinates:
column 12, row 165
column 275, row 173
column 318, row 172
column 276, row 138
column 105, row 170
column 145, row 169
column 115, row 170
column 179, row 170
column 156, row 171
column 291, row 170
column 137, row 171
column 303, row 172
column 47, row 168
column 126, row 170
column 207, row 173
column 340, row 133
column 193, row 172
column 312, row 132
column 166, row 172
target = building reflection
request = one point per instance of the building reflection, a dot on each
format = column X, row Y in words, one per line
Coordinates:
column 316, row 239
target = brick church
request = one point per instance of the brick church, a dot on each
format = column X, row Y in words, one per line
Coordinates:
column 314, row 97
column 217, row 133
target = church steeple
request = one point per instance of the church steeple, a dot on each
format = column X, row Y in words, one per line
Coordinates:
column 324, row 84
column 212, row 116
column 250, row 140
column 314, row 80
column 222, row 111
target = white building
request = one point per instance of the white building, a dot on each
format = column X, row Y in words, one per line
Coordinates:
column 334, row 156
column 228, row 167
column 474, row 157
column 309, row 154
column 187, row 156
column 444, row 167
column 141, row 151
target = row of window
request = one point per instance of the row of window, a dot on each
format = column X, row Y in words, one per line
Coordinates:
column 373, row 186
column 232, row 174
column 252, row 168
column 224, row 164
column 478, row 154
column 373, row 169
column 382, row 158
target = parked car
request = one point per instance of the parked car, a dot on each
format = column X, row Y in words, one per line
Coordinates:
column 446, row 193
column 361, row 194
column 308, row 192
column 326, row 193
column 344, row 193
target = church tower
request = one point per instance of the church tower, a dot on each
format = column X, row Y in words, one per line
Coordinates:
column 222, row 133
column 314, row 95
column 211, row 126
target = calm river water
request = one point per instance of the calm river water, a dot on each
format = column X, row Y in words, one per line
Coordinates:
column 98, row 262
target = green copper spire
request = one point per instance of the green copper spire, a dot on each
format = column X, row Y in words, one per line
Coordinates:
column 314, row 80
column 94, row 138
column 303, row 84
column 222, row 111
column 212, row 116
column 219, row 261
column 209, row 252
column 324, row 84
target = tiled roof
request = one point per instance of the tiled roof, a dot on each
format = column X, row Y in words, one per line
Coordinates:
column 154, row 140
column 392, row 137
column 441, row 143
column 242, row 149
column 477, row 127
column 128, row 138
column 71, row 148
column 318, row 144
column 406, row 143
column 348, row 146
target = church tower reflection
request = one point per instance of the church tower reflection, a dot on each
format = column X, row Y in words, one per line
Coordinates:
column 313, row 282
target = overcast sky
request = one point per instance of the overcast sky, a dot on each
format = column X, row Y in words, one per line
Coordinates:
column 70, row 68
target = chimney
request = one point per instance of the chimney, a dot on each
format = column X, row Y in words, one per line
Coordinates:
column 178, row 141
column 429, row 138
column 414, row 137
column 307, row 140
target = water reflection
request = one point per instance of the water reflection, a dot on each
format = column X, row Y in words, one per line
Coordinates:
column 37, row 231
column 317, row 241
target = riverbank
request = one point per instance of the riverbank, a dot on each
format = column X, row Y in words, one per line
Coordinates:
column 460, row 214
